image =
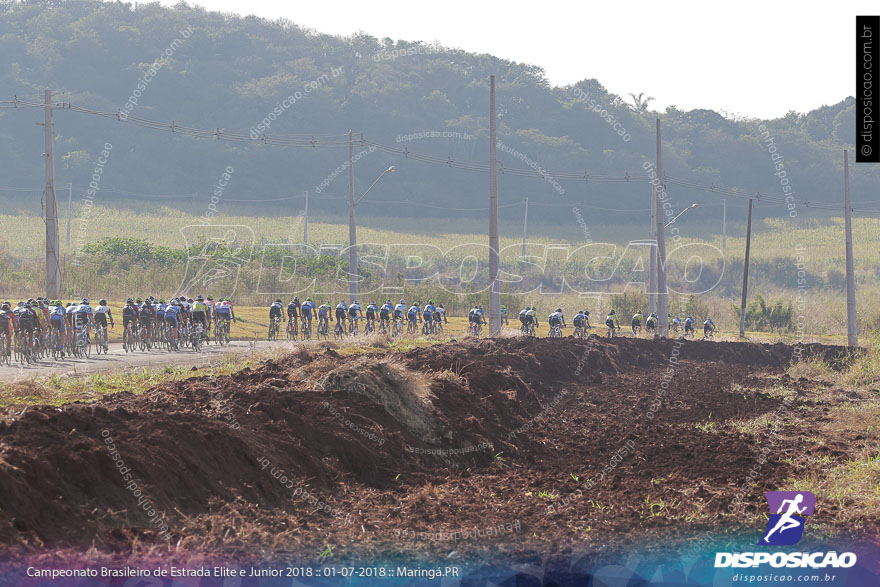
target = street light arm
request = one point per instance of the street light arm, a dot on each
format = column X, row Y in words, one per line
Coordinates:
column 390, row 169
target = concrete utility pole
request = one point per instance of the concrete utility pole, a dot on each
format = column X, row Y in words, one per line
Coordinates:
column 652, row 264
column 662, row 294
column 352, row 232
column 724, row 225
column 745, row 294
column 53, row 267
column 852, row 336
column 306, row 220
column 69, row 207
column 494, row 290
column 525, row 227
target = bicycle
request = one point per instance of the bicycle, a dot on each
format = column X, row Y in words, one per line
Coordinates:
column 528, row 329
column 128, row 339
column 612, row 331
column 100, row 339
column 323, row 329
column 339, row 330
column 397, row 327
column 427, row 328
column 5, row 349
column 353, row 326
column 580, row 332
column 411, row 327
column 221, row 331
column 637, row 330
column 274, row 327
column 475, row 329
column 689, row 333
column 306, row 328
column 383, row 326
column 708, row 335
column 555, row 331
column 438, row 327
column 55, row 344
column 370, row 327
column 197, row 336
column 293, row 328
column 84, row 343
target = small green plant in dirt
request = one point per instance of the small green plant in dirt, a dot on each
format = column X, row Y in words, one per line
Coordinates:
column 500, row 461
column 326, row 553
column 708, row 426
column 575, row 477
column 656, row 508
column 599, row 506
column 547, row 495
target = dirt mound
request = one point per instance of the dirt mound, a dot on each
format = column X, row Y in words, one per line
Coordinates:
column 325, row 425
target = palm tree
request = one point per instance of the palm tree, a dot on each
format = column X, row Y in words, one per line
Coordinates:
column 640, row 102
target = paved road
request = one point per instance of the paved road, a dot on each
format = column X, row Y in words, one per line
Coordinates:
column 117, row 358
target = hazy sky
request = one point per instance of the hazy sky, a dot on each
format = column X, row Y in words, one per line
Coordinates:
column 755, row 58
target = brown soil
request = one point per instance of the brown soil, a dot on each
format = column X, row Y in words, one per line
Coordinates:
column 406, row 449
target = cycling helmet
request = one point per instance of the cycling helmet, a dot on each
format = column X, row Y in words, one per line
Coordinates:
column 558, row 309
column 31, row 300
column 27, row 304
column 102, row 302
column 57, row 303
column 402, row 302
column 373, row 303
column 439, row 305
column 161, row 300
column 86, row 301
column 210, row 299
column 431, row 302
column 189, row 300
column 387, row 301
column 20, row 304
column 307, row 299
column 5, row 307
column 129, row 301
column 139, row 300
column 202, row 299
column 612, row 311
column 296, row 298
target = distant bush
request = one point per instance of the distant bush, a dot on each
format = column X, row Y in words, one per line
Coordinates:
column 762, row 317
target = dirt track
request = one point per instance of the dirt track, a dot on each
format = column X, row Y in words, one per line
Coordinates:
column 117, row 358
column 407, row 449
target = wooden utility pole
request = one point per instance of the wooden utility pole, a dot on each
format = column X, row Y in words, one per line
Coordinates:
column 852, row 335
column 53, row 267
column 352, row 230
column 69, row 208
column 662, row 295
column 306, row 219
column 525, row 227
column 724, row 225
column 652, row 264
column 745, row 293
column 494, row 290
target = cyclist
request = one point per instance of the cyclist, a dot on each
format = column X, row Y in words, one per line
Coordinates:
column 556, row 319
column 476, row 316
column 372, row 310
column 441, row 314
column 586, row 314
column 674, row 322
column 324, row 316
column 7, row 322
column 708, row 327
column 147, row 317
column 27, row 322
column 172, row 317
column 341, row 310
column 102, row 314
column 83, row 316
column 56, row 321
column 223, row 311
column 275, row 310
column 524, row 316
column 689, row 325
column 651, row 322
column 637, row 323
column 130, row 315
column 354, row 314
column 293, row 312
column 414, row 315
column 579, row 319
column 385, row 313
column 200, row 312
column 308, row 309
column 612, row 322
column 68, row 316
column 428, row 313
column 400, row 310
column 504, row 319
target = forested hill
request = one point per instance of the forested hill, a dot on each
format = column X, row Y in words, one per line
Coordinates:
column 211, row 70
